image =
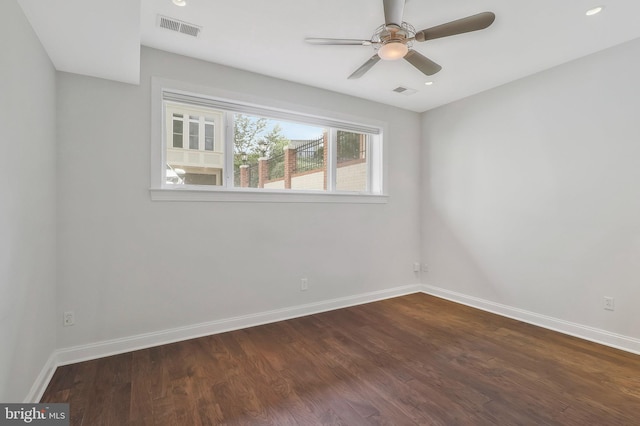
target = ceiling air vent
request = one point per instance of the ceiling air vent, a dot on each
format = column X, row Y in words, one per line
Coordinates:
column 178, row 26
column 405, row 90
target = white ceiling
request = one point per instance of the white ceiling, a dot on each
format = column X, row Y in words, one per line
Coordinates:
column 91, row 37
column 102, row 38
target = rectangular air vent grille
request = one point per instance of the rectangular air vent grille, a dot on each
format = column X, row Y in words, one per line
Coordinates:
column 405, row 90
column 178, row 26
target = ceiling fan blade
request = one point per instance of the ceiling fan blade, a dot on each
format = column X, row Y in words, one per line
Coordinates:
column 365, row 67
column 338, row 41
column 393, row 11
column 424, row 64
column 464, row 25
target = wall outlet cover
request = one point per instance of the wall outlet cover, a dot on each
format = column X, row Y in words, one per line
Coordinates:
column 609, row 303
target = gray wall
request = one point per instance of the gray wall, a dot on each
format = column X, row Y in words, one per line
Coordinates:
column 128, row 265
column 27, row 205
column 531, row 192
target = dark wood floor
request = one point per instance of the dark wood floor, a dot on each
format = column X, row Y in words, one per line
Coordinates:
column 404, row 361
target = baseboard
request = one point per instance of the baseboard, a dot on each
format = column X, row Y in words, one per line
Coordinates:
column 42, row 381
column 618, row 341
column 127, row 344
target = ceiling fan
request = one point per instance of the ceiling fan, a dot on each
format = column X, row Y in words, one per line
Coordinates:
column 393, row 40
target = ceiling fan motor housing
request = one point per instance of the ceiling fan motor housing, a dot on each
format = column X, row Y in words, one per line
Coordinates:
column 394, row 33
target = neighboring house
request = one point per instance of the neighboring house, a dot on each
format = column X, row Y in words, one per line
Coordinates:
column 196, row 144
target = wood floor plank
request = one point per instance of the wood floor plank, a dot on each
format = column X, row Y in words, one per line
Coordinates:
column 411, row 360
column 144, row 382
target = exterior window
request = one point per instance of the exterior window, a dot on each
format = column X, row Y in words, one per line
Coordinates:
column 177, row 130
column 216, row 143
column 208, row 134
column 191, row 159
column 193, row 132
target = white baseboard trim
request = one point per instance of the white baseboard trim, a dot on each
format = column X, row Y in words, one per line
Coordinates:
column 618, row 341
column 96, row 350
column 42, row 381
column 127, row 344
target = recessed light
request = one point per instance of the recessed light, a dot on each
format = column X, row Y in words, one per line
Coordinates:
column 180, row 2
column 428, row 83
column 594, row 11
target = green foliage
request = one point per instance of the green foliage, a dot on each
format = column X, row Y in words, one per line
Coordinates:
column 276, row 170
column 276, row 142
column 348, row 146
column 246, row 131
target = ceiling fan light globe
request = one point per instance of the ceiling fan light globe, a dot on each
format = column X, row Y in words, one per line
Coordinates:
column 393, row 51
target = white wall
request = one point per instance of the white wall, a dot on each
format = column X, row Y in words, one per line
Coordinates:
column 531, row 193
column 27, row 205
column 128, row 265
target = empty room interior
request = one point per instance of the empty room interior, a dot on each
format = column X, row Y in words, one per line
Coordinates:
column 321, row 212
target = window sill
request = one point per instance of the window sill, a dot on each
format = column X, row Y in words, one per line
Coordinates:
column 263, row 196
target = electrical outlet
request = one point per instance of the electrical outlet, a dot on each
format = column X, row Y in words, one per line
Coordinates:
column 416, row 267
column 608, row 303
column 304, row 284
column 425, row 268
column 69, row 318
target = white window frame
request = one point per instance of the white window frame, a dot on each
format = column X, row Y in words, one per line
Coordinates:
column 173, row 91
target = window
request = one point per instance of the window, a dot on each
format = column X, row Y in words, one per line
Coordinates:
column 177, row 130
column 215, row 145
column 193, row 155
